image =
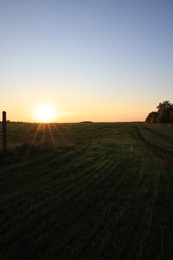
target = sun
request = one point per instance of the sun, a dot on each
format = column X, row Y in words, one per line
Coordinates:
column 45, row 113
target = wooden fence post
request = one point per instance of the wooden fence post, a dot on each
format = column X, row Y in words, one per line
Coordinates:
column 4, row 132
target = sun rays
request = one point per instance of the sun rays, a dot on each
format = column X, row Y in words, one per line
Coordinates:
column 45, row 136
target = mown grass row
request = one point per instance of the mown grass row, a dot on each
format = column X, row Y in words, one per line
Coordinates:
column 101, row 193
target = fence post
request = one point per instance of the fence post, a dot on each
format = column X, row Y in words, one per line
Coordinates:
column 4, row 132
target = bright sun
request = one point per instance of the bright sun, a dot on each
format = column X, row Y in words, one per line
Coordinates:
column 45, row 114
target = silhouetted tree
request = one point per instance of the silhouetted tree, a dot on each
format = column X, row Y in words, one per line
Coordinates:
column 163, row 115
column 166, row 106
column 164, row 109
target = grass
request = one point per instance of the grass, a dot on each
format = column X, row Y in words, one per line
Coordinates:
column 87, row 191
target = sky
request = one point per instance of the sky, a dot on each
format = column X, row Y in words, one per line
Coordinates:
column 98, row 60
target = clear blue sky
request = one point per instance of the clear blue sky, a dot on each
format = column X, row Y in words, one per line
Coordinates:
column 99, row 60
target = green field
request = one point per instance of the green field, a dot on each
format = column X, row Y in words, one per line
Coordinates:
column 87, row 191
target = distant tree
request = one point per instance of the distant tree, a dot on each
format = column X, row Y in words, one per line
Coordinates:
column 162, row 118
column 152, row 117
column 164, row 113
column 164, row 109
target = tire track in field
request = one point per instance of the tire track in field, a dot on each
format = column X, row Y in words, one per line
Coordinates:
column 163, row 155
column 160, row 135
column 160, row 152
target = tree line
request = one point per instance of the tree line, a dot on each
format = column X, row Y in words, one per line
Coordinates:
column 164, row 113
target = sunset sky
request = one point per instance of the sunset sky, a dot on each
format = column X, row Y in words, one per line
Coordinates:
column 99, row 60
